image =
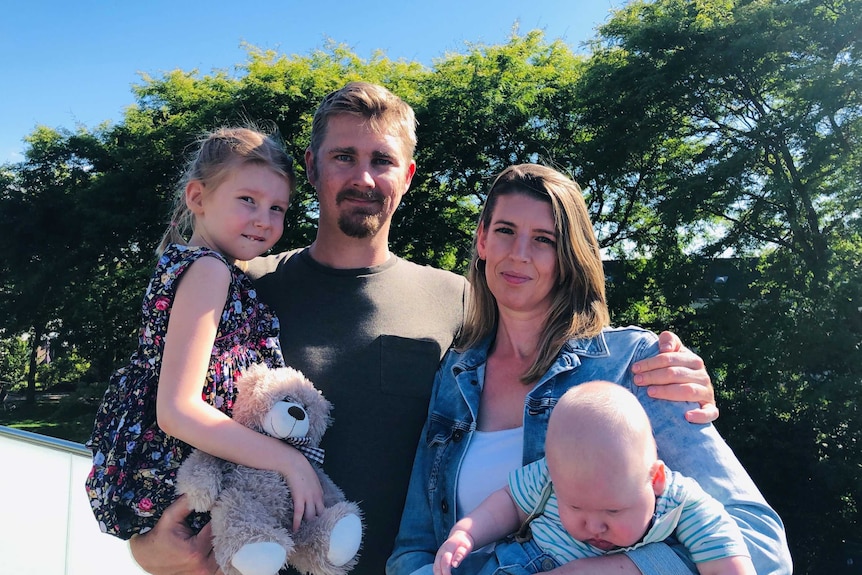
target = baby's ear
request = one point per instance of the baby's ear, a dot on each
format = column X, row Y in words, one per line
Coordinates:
column 657, row 475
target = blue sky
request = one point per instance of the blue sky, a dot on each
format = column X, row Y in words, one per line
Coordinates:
column 67, row 64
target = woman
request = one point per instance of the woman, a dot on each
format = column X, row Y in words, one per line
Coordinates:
column 538, row 325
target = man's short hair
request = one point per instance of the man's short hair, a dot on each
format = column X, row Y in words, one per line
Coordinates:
column 380, row 107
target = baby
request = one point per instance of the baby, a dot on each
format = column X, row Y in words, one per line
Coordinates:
column 601, row 489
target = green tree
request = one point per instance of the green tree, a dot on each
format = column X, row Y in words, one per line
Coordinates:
column 766, row 94
column 42, row 242
column 744, row 117
column 13, row 359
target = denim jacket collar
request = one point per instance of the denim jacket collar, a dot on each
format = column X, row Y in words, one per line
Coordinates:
column 568, row 358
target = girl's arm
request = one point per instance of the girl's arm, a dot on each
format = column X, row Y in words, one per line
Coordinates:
column 181, row 412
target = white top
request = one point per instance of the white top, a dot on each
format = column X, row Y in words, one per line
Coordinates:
column 489, row 459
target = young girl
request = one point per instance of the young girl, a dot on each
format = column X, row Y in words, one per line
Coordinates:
column 202, row 326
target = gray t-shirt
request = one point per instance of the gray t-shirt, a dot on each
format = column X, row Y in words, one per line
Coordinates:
column 371, row 340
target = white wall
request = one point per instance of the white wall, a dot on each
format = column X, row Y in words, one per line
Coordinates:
column 46, row 526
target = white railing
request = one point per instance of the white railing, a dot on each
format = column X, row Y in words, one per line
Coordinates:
column 46, row 526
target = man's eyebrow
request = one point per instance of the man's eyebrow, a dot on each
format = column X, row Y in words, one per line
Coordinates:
column 382, row 154
column 343, row 150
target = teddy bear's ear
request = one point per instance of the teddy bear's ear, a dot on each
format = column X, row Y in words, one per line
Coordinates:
column 254, row 397
column 260, row 388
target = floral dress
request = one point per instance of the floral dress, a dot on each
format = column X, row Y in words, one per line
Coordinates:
column 134, row 461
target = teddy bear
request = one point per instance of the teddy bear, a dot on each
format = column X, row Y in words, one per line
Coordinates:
column 252, row 509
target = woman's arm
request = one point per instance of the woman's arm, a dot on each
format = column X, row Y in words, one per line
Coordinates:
column 181, row 412
column 727, row 566
column 617, row 564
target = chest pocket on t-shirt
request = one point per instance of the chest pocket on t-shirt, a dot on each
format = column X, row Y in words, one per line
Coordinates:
column 407, row 366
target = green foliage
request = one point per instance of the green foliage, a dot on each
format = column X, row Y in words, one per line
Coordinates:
column 792, row 365
column 13, row 359
column 742, row 120
column 65, row 368
column 765, row 94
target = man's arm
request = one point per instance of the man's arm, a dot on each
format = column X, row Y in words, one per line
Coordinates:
column 677, row 374
column 171, row 548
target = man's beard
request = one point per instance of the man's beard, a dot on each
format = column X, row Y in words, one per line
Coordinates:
column 359, row 225
column 361, row 222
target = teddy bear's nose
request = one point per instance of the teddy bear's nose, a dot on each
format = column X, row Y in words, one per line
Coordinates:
column 296, row 412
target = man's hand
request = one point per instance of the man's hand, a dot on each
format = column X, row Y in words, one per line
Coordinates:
column 677, row 374
column 171, row 548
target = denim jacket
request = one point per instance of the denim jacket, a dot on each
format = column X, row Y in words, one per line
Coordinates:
column 697, row 451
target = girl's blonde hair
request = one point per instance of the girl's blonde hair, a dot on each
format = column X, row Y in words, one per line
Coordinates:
column 218, row 153
column 579, row 308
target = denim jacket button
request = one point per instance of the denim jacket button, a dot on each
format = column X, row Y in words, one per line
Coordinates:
column 548, row 564
column 457, row 435
column 444, row 506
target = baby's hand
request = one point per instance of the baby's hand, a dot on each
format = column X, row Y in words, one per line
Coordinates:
column 305, row 489
column 452, row 552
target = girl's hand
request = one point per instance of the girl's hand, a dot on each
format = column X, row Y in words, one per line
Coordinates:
column 304, row 484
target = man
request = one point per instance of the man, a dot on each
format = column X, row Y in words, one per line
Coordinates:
column 367, row 327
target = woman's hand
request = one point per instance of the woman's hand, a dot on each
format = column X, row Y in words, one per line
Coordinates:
column 171, row 548
column 677, row 374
